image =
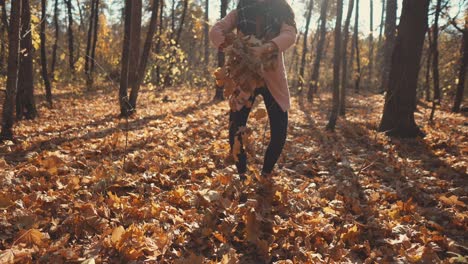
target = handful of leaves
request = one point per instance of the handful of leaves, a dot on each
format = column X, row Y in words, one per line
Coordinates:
column 242, row 72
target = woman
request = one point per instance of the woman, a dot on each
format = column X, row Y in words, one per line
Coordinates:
column 273, row 22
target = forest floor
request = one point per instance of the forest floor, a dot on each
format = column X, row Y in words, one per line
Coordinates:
column 74, row 190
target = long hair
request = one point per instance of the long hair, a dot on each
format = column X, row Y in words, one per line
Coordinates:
column 273, row 14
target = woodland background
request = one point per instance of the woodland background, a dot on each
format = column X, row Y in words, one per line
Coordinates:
column 114, row 136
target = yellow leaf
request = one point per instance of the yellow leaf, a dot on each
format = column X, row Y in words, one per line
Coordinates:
column 32, row 237
column 117, row 234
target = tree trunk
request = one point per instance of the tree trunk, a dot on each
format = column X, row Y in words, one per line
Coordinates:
column 462, row 70
column 95, row 39
column 357, row 50
column 336, row 68
column 125, row 64
column 400, row 102
column 344, row 74
column 70, row 37
column 135, row 44
column 427, row 81
column 206, row 30
column 435, row 60
column 54, row 48
column 25, row 105
column 313, row 87
column 88, row 44
column 12, row 73
column 304, row 45
column 390, row 31
column 3, row 36
column 45, row 75
column 382, row 22
column 146, row 54
column 371, row 46
column 4, row 15
column 158, row 44
column 220, row 89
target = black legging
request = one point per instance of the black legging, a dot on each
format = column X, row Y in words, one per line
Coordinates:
column 278, row 130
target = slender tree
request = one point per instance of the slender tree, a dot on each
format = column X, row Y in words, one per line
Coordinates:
column 344, row 73
column 371, row 44
column 463, row 66
column 219, row 89
column 435, row 59
column 206, row 29
column 135, row 44
column 382, row 23
column 313, row 87
column 146, row 53
column 89, row 43
column 25, row 104
column 390, row 31
column 71, row 42
column 305, row 42
column 427, row 83
column 12, row 72
column 158, row 43
column 45, row 75
column 125, row 63
column 57, row 34
column 357, row 49
column 3, row 35
column 4, row 15
column 95, row 39
column 336, row 67
column 400, row 100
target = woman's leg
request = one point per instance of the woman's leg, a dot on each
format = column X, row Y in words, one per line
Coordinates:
column 278, row 131
column 236, row 120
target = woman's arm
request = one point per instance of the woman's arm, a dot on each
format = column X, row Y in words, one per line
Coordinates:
column 223, row 26
column 286, row 37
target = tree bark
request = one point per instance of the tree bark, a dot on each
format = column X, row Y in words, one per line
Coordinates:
column 158, row 44
column 88, row 44
column 336, row 68
column 371, row 46
column 462, row 71
column 25, row 105
column 400, row 100
column 206, row 30
column 427, row 83
column 220, row 89
column 125, row 64
column 4, row 15
column 435, row 60
column 57, row 34
column 45, row 75
column 344, row 74
column 146, row 53
column 390, row 31
column 71, row 59
column 313, row 87
column 357, row 50
column 135, row 43
column 304, row 45
column 95, row 39
column 12, row 72
column 3, row 36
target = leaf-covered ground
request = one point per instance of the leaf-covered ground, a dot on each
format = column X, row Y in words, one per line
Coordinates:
column 74, row 190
